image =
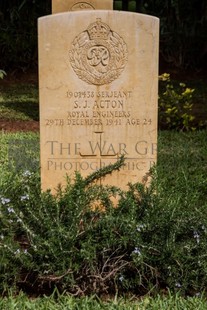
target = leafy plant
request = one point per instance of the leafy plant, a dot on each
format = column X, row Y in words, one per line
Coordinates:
column 175, row 105
column 2, row 74
column 81, row 242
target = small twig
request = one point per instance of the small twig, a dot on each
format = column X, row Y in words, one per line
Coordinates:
column 53, row 278
column 78, row 292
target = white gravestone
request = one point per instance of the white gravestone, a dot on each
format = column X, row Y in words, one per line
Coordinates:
column 59, row 6
column 98, row 84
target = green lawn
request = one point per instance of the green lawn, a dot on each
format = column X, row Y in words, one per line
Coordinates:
column 19, row 102
column 93, row 303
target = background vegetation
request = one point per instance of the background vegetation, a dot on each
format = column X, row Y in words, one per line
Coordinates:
column 180, row 107
column 183, row 33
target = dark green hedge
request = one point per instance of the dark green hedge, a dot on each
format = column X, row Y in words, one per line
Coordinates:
column 183, row 30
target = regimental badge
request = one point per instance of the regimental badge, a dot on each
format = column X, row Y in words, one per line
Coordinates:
column 82, row 6
column 98, row 55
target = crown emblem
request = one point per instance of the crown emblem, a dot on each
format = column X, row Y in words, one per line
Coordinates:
column 98, row 55
column 98, row 30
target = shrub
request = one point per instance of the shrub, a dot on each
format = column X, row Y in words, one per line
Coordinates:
column 80, row 242
column 2, row 74
column 76, row 241
column 175, row 105
column 182, row 31
column 18, row 33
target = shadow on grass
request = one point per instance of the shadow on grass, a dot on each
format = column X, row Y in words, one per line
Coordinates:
column 19, row 102
column 20, row 110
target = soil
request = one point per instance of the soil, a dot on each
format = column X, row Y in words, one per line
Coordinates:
column 18, row 125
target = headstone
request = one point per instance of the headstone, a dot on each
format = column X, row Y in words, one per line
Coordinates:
column 98, row 84
column 59, row 6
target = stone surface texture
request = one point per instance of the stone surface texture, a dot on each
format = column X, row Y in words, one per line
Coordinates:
column 98, row 85
column 60, row 6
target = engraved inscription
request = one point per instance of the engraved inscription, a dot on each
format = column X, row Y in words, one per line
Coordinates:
column 101, row 147
column 82, row 6
column 69, row 156
column 133, row 164
column 98, row 55
column 99, row 108
column 107, row 108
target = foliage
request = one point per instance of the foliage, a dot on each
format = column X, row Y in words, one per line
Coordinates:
column 18, row 33
column 175, row 105
column 2, row 74
column 182, row 31
column 82, row 242
column 65, row 302
column 19, row 152
column 19, row 102
column 182, row 23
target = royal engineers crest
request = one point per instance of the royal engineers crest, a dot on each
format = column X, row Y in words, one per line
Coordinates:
column 82, row 6
column 98, row 55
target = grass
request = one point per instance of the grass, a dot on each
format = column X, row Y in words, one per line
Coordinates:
column 18, row 151
column 64, row 302
column 182, row 162
column 19, row 102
